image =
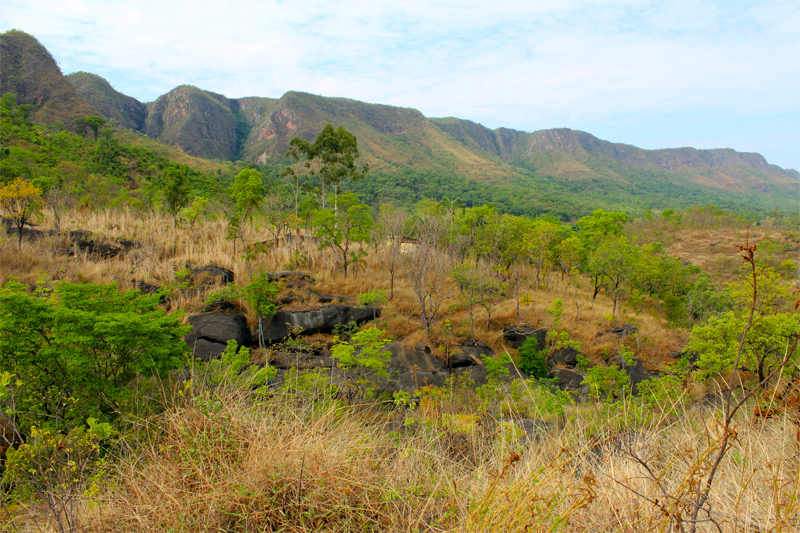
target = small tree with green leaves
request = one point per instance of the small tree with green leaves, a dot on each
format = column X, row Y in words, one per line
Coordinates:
column 79, row 349
column 192, row 212
column 373, row 299
column 341, row 229
column 93, row 123
column 364, row 354
column 260, row 295
column 177, row 190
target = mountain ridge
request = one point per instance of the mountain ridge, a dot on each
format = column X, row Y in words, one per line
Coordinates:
column 393, row 139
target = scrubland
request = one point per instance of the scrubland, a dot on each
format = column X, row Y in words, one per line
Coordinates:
column 516, row 456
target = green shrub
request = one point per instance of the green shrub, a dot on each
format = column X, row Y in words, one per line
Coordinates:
column 77, row 348
column 532, row 360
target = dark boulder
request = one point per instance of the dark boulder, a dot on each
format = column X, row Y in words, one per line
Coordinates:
column 635, row 370
column 79, row 235
column 100, row 250
column 461, row 359
column 221, row 306
column 326, row 298
column 212, row 331
column 624, row 330
column 283, row 324
column 301, row 360
column 565, row 356
column 210, row 275
column 411, row 381
column 406, row 359
column 476, row 349
column 144, row 287
column 515, row 336
column 567, row 379
column 288, row 274
column 480, row 376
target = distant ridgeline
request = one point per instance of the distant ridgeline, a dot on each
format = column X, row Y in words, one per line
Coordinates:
column 562, row 172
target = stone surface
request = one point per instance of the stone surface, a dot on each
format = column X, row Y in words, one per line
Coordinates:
column 211, row 332
column 515, row 336
column 624, row 330
column 405, row 359
column 288, row 274
column 210, row 275
column 323, row 320
column 567, row 379
column 565, row 356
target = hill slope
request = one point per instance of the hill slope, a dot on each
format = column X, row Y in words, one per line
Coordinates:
column 30, row 72
column 128, row 112
column 557, row 169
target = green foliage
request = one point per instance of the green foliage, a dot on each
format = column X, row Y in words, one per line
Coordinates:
column 194, row 210
column 93, row 123
column 775, row 323
column 349, row 223
column 532, row 361
column 234, row 371
column 176, row 193
column 260, row 294
column 77, row 350
column 247, row 191
column 497, row 367
column 20, row 201
column 365, row 352
column 58, row 468
column 608, row 381
column 331, row 157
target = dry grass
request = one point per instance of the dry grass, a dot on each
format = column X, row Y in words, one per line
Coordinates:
column 162, row 250
column 302, row 462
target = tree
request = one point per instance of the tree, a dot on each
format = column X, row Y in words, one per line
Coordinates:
column 331, row 158
column 192, row 212
column 93, row 122
column 260, row 295
column 21, row 201
column 613, row 263
column 477, row 288
column 177, row 190
column 247, row 191
column 77, row 350
column 542, row 235
column 719, row 341
column 365, row 354
column 393, row 222
column 340, row 229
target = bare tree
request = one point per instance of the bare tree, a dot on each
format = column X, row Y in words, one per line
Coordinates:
column 427, row 266
column 392, row 224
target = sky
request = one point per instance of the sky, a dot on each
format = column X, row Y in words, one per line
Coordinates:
column 652, row 73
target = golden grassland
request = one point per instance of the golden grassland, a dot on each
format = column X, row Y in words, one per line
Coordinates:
column 300, row 460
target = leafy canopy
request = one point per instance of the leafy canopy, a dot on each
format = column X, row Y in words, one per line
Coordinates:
column 76, row 349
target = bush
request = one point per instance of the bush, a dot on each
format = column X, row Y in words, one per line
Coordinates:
column 532, row 361
column 77, row 348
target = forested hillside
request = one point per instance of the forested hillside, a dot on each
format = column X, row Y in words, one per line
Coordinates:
column 564, row 172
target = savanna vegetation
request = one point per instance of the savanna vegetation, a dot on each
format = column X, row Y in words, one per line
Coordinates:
column 110, row 424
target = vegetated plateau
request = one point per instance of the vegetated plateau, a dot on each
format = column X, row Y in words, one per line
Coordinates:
column 356, row 318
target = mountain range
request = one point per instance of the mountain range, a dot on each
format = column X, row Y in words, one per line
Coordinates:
column 536, row 167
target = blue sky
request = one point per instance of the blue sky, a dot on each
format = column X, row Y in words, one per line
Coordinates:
column 655, row 74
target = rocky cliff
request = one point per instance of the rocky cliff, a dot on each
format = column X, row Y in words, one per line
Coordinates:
column 29, row 71
column 127, row 112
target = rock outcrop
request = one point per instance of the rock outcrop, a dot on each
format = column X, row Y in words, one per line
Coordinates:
column 211, row 332
column 283, row 324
